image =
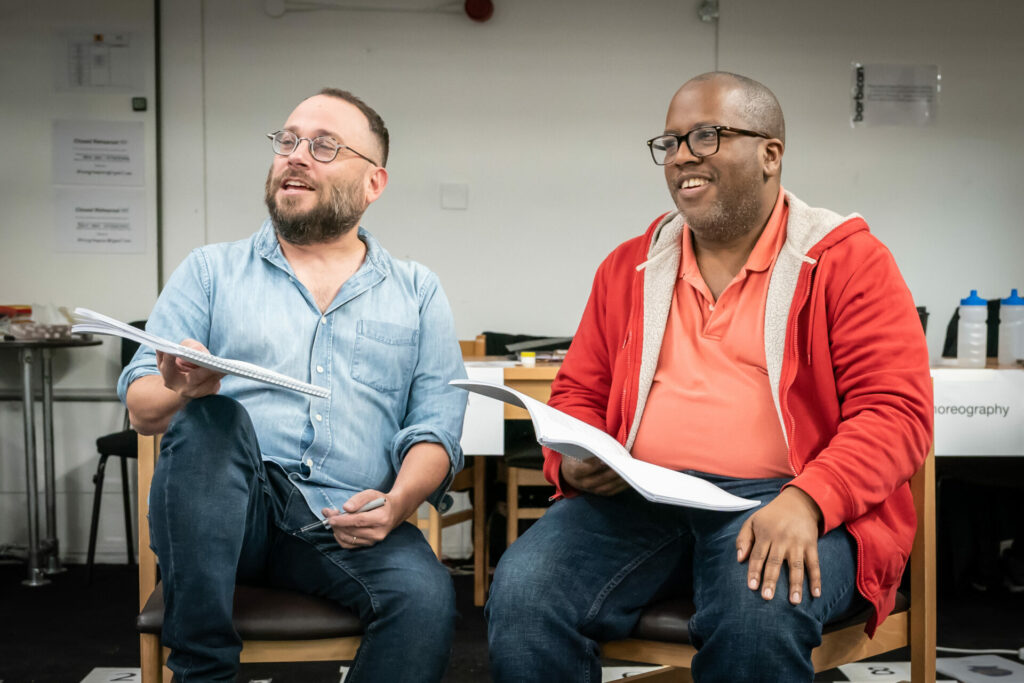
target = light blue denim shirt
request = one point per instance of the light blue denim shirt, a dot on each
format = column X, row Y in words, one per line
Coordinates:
column 386, row 347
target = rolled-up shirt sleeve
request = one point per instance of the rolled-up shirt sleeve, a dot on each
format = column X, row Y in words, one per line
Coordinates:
column 182, row 311
column 435, row 409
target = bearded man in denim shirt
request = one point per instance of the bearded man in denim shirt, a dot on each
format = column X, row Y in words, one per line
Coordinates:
column 244, row 466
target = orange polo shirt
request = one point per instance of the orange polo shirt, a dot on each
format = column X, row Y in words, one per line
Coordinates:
column 710, row 408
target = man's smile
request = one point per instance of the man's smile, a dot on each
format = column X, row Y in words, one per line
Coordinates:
column 692, row 186
column 293, row 185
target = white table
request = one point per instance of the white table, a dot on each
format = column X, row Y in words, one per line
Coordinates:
column 979, row 412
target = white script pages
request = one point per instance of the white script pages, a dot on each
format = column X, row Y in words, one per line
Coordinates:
column 577, row 439
column 91, row 322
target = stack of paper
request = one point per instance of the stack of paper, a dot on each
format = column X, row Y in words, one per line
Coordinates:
column 577, row 439
column 87, row 322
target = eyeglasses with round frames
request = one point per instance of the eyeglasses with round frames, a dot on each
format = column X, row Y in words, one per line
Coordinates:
column 323, row 148
column 702, row 142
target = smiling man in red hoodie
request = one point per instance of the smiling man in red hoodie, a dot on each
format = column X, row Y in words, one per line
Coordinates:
column 766, row 346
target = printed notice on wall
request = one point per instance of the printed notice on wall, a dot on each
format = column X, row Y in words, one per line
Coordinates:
column 978, row 411
column 103, row 61
column 100, row 220
column 98, row 153
column 894, row 94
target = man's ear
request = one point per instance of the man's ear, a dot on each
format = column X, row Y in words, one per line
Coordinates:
column 771, row 157
column 376, row 181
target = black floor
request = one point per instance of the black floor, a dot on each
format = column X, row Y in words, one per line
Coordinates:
column 60, row 632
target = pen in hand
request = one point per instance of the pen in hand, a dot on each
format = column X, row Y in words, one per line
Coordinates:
column 372, row 505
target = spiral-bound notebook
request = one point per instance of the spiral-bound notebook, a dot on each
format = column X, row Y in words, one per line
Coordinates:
column 91, row 322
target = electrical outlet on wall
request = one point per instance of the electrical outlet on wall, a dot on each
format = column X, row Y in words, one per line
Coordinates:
column 454, row 196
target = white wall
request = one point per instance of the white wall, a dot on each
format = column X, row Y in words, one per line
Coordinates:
column 543, row 111
column 31, row 271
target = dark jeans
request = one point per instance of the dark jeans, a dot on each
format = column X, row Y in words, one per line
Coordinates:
column 584, row 571
column 218, row 514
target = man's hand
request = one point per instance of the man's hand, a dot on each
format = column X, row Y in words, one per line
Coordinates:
column 424, row 468
column 187, row 379
column 591, row 475
column 784, row 530
column 153, row 400
column 363, row 529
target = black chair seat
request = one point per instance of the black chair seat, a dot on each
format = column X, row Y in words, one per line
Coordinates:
column 124, row 444
column 669, row 620
column 528, row 456
column 521, row 447
column 262, row 613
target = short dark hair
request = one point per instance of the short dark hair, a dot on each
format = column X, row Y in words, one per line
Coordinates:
column 377, row 127
column 761, row 108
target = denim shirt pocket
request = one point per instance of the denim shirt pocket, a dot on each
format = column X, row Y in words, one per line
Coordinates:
column 384, row 355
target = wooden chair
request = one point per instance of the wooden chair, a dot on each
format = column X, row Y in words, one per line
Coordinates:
column 275, row 625
column 474, row 347
column 661, row 637
column 521, row 466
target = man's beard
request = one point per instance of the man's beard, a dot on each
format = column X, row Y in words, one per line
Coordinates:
column 730, row 216
column 723, row 225
column 333, row 216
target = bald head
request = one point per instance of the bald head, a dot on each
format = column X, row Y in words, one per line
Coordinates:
column 756, row 102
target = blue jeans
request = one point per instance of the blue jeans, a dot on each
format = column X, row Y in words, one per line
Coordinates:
column 584, row 571
column 220, row 515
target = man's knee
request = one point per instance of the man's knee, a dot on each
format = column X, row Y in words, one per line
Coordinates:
column 525, row 583
column 211, row 416
column 210, row 448
column 509, row 578
column 210, row 425
column 774, row 625
column 428, row 598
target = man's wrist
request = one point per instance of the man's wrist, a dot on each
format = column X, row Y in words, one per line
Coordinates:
column 809, row 502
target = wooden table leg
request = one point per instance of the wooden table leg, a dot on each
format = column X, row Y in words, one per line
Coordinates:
column 481, row 572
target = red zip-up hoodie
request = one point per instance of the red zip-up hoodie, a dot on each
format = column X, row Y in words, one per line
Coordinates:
column 847, row 363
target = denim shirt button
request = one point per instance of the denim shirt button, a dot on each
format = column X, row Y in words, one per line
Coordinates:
column 309, row 463
column 319, row 417
column 319, row 368
column 323, row 320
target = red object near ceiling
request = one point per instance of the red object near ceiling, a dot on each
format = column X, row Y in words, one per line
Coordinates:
column 479, row 10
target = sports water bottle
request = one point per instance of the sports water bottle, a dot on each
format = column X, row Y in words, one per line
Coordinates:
column 1011, row 329
column 971, row 332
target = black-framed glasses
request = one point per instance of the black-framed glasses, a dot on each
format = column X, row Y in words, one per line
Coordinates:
column 323, row 148
column 702, row 142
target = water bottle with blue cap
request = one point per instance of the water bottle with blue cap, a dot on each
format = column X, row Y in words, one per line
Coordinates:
column 971, row 332
column 1011, row 329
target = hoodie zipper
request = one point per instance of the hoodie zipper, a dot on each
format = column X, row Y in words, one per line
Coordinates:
column 815, row 293
column 795, row 356
column 629, row 376
column 627, row 346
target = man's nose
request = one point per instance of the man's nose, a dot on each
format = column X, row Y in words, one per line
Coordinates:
column 684, row 155
column 302, row 155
